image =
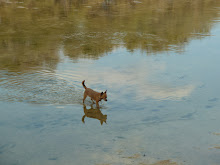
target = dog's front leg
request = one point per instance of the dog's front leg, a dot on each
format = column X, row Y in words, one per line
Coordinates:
column 97, row 104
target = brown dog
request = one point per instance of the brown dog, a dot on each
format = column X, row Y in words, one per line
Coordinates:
column 94, row 95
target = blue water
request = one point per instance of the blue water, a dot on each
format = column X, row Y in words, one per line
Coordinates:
column 163, row 106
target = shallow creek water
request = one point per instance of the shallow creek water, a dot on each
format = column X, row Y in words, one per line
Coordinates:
column 158, row 61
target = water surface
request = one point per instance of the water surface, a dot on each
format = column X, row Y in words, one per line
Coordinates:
column 158, row 60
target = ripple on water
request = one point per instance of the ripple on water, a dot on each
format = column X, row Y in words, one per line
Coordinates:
column 42, row 87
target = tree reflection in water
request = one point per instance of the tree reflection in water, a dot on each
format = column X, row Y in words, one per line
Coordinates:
column 33, row 32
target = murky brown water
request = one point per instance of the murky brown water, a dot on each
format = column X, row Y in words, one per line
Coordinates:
column 158, row 59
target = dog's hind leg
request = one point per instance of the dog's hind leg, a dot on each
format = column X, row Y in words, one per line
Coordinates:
column 92, row 101
column 84, row 97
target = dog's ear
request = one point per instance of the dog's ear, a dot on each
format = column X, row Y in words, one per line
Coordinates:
column 105, row 91
column 101, row 93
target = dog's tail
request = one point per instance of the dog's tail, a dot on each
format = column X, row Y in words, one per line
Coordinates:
column 83, row 83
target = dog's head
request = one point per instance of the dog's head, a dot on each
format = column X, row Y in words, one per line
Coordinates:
column 103, row 96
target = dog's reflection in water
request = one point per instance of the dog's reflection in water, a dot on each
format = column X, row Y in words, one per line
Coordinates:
column 94, row 113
